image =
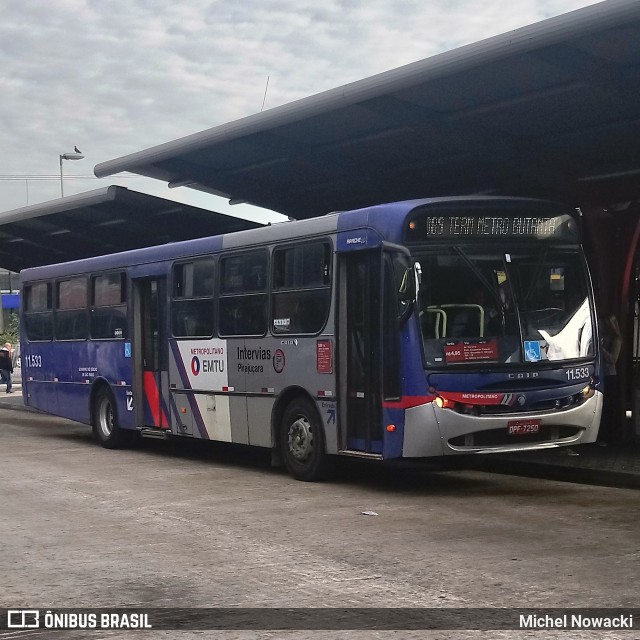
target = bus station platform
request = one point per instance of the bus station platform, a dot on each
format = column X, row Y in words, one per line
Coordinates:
column 611, row 465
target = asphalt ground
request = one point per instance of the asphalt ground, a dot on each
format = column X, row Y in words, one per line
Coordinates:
column 182, row 524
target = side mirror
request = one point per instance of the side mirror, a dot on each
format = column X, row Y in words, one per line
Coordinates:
column 408, row 291
column 410, row 284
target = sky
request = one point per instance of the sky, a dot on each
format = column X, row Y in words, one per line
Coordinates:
column 112, row 77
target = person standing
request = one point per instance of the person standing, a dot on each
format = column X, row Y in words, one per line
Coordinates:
column 6, row 367
column 14, row 354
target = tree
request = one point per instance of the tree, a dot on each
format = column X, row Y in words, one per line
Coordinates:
column 11, row 331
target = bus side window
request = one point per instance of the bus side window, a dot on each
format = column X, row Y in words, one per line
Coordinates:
column 301, row 288
column 192, row 299
column 109, row 306
column 243, row 300
column 38, row 311
column 70, row 318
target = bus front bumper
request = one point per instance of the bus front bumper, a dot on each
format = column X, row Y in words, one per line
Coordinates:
column 458, row 433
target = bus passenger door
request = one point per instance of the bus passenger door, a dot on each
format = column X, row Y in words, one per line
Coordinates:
column 150, row 362
column 360, row 365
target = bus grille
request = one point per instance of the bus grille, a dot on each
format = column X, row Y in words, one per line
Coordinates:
column 555, row 404
column 499, row 437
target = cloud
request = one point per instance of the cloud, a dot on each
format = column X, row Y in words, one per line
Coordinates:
column 116, row 77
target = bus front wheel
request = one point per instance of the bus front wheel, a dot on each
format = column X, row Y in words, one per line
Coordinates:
column 302, row 442
column 105, row 422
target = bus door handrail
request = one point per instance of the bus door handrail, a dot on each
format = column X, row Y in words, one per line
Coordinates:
column 440, row 315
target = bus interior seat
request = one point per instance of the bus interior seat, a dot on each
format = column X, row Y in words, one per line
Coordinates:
column 465, row 320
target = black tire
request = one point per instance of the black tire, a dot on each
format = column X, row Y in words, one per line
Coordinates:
column 302, row 442
column 106, row 429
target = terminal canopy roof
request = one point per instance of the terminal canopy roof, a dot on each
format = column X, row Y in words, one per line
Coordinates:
column 552, row 109
column 100, row 222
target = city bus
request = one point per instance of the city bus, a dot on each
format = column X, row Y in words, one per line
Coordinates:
column 418, row 329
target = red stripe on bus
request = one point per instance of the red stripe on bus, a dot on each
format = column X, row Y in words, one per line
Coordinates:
column 153, row 398
column 406, row 402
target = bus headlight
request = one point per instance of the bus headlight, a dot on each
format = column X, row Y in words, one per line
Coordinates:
column 444, row 403
column 587, row 392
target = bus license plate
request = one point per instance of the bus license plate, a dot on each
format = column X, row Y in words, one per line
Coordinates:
column 522, row 427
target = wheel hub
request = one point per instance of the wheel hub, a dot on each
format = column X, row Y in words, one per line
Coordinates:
column 106, row 419
column 300, row 439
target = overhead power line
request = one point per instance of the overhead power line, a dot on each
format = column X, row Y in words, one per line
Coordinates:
column 53, row 176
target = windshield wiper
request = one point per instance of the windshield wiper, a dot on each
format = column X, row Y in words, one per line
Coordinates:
column 542, row 259
column 491, row 288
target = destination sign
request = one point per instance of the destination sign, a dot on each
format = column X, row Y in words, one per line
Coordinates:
column 434, row 227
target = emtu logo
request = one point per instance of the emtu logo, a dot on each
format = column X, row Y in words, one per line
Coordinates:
column 195, row 365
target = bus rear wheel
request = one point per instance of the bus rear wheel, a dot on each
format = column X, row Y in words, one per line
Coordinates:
column 105, row 422
column 302, row 442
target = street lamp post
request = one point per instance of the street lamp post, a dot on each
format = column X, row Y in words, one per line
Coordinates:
column 67, row 156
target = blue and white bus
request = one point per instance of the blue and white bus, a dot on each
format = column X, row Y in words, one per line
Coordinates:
column 416, row 329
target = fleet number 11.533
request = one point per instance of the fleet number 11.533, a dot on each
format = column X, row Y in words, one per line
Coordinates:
column 33, row 361
column 577, row 373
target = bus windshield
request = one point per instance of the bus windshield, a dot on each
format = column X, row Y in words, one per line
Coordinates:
column 482, row 306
